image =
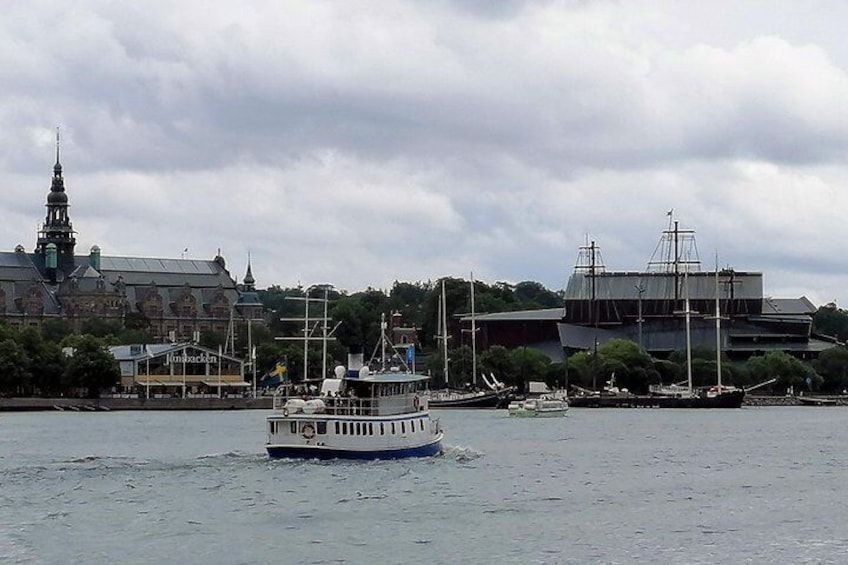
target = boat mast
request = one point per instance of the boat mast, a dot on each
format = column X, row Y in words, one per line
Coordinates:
column 595, row 316
column 718, row 330
column 444, row 337
column 383, row 342
column 688, row 314
column 473, row 337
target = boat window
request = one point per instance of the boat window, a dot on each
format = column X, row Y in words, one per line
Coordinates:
column 370, row 429
column 272, row 427
column 393, row 428
column 421, row 424
column 358, row 431
column 344, row 428
column 293, row 427
column 403, row 427
column 337, row 428
column 382, row 429
column 321, row 428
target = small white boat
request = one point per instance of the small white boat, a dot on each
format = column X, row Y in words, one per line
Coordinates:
column 538, row 407
column 366, row 416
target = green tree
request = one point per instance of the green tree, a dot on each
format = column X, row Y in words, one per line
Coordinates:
column 632, row 366
column 47, row 368
column 56, row 329
column 14, row 376
column 531, row 365
column 354, row 323
column 831, row 320
column 102, row 328
column 789, row 371
column 461, row 366
column 91, row 367
column 832, row 365
column 498, row 361
column 45, row 361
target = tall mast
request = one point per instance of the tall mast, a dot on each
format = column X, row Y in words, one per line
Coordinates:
column 718, row 330
column 595, row 316
column 324, row 353
column 444, row 314
column 688, row 314
column 383, row 340
column 473, row 337
column 306, row 334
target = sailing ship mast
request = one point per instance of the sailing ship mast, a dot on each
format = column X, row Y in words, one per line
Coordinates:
column 473, row 337
column 688, row 314
column 718, row 330
column 442, row 333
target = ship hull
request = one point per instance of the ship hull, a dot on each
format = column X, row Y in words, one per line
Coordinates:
column 731, row 399
column 325, row 452
column 470, row 400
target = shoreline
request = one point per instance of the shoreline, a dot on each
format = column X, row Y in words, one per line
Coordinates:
column 27, row 404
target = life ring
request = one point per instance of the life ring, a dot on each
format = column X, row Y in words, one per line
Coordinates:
column 308, row 431
column 416, row 402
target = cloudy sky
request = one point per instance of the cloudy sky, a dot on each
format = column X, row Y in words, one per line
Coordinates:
column 361, row 142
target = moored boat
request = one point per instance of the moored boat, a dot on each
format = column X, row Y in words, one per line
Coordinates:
column 362, row 416
column 450, row 398
column 538, row 408
column 495, row 395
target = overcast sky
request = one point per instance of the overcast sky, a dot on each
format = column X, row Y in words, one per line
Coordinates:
column 358, row 143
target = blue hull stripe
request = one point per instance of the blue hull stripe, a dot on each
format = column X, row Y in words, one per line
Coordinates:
column 307, row 452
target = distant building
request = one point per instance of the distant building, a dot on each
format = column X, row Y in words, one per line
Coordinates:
column 174, row 298
column 649, row 308
column 163, row 369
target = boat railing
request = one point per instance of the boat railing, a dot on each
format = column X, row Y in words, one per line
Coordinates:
column 346, row 405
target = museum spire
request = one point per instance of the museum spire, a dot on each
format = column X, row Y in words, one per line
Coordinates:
column 57, row 229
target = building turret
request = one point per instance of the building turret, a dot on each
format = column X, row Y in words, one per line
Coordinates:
column 50, row 262
column 249, row 305
column 94, row 257
column 57, row 229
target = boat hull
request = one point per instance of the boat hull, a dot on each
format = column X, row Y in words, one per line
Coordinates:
column 732, row 399
column 327, row 452
column 486, row 400
column 537, row 413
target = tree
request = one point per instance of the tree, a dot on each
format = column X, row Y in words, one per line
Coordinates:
column 534, row 295
column 832, row 365
column 92, row 367
column 461, row 366
column 103, row 328
column 832, row 321
column 55, row 329
column 498, row 361
column 13, row 362
column 47, row 369
column 789, row 371
column 632, row 366
column 531, row 365
column 45, row 361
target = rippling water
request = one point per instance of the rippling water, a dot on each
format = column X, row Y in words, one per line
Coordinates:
column 754, row 485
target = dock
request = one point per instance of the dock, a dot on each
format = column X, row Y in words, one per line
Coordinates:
column 22, row 404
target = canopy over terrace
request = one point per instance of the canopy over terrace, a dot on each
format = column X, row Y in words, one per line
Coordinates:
column 188, row 366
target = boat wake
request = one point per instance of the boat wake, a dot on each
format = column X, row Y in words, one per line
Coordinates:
column 461, row 454
column 231, row 455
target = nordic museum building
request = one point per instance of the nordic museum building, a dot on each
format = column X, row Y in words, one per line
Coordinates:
column 173, row 298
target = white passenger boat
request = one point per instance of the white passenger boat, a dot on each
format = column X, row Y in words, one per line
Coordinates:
column 538, row 408
column 361, row 416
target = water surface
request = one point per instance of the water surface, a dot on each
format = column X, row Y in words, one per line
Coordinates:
column 755, row 485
